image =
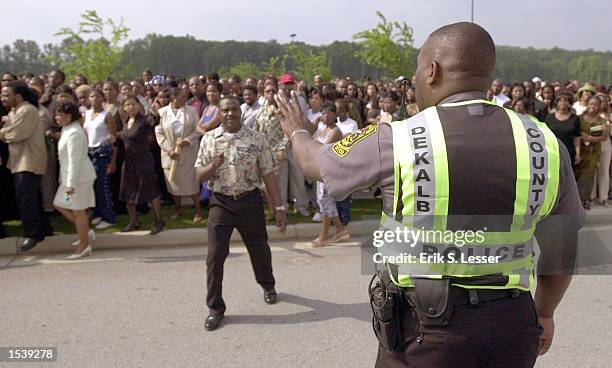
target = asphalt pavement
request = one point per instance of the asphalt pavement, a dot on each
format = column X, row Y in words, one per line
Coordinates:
column 145, row 307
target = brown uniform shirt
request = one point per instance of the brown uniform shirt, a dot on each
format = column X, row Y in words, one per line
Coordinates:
column 366, row 160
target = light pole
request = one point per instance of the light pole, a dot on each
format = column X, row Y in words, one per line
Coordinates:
column 472, row 1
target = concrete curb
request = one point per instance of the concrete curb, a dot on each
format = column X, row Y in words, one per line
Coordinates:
column 169, row 238
column 197, row 236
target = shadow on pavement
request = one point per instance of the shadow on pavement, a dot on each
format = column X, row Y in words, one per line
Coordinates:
column 321, row 311
column 14, row 267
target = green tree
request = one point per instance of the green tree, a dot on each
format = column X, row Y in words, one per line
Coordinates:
column 23, row 56
column 273, row 66
column 388, row 46
column 243, row 69
column 306, row 62
column 93, row 50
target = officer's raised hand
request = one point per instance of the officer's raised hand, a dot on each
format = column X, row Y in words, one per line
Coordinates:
column 299, row 131
column 289, row 113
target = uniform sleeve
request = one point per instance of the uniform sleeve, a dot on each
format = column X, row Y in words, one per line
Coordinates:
column 203, row 157
column 557, row 234
column 265, row 158
column 352, row 163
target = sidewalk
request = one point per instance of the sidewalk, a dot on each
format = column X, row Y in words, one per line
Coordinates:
column 172, row 238
column 599, row 218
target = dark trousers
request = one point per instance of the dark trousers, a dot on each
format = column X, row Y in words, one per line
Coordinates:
column 34, row 222
column 100, row 158
column 502, row 333
column 247, row 215
column 159, row 173
column 344, row 210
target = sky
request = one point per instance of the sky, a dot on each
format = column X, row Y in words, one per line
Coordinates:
column 570, row 24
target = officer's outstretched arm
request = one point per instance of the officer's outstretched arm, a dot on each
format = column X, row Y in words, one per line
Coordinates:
column 306, row 153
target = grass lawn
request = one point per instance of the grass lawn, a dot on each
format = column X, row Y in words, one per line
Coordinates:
column 361, row 209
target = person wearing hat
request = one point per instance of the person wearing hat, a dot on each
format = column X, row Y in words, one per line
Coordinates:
column 537, row 86
column 584, row 94
column 287, row 82
column 296, row 176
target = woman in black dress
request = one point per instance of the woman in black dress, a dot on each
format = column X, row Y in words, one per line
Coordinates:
column 138, row 184
column 565, row 124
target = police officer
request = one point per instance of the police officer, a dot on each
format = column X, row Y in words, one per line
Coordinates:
column 235, row 160
column 461, row 164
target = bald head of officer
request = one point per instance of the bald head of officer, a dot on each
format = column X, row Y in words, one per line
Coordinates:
column 456, row 58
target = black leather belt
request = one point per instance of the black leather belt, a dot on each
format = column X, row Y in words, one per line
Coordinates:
column 236, row 196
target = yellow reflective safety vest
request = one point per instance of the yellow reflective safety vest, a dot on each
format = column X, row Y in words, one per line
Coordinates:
column 421, row 161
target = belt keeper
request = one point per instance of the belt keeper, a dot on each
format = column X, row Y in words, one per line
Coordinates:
column 473, row 296
column 514, row 293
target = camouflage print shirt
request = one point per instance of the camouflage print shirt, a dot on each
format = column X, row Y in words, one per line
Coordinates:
column 268, row 124
column 247, row 157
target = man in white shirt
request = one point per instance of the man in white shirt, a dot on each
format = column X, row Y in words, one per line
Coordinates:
column 345, row 123
column 498, row 97
column 250, row 107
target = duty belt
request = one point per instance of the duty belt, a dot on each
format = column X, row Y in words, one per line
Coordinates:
column 462, row 296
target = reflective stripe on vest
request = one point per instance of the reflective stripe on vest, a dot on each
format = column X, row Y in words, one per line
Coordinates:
column 421, row 197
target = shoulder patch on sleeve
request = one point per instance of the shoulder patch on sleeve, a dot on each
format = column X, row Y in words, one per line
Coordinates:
column 342, row 147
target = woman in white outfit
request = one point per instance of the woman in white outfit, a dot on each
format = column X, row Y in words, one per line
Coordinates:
column 77, row 175
column 179, row 141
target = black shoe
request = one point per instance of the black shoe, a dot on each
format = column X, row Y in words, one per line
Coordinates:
column 158, row 228
column 213, row 321
column 270, row 296
column 130, row 227
column 28, row 243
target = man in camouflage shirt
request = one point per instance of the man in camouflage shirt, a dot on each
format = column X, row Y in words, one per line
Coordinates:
column 235, row 160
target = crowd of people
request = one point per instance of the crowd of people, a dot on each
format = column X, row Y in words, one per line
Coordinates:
column 93, row 150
